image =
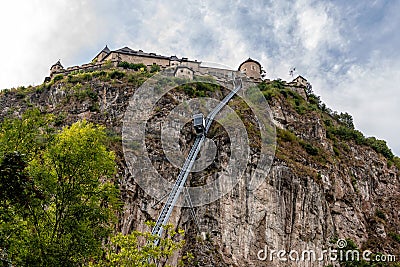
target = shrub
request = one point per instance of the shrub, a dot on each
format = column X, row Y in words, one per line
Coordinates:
column 380, row 146
column 379, row 213
column 254, row 95
column 395, row 236
column 314, row 99
column 200, row 93
column 346, row 133
column 133, row 66
column 336, row 151
column 286, row 135
column 74, row 78
column 328, row 123
column 58, row 77
column 155, row 68
column 188, row 89
column 116, row 74
column 20, row 94
column 99, row 73
column 59, row 119
column 123, row 64
column 279, row 84
column 284, row 93
column 92, row 94
column 346, row 119
column 269, row 94
column 138, row 249
column 199, row 89
column 310, row 149
column 86, row 76
column 396, row 161
column 95, row 107
column 205, row 87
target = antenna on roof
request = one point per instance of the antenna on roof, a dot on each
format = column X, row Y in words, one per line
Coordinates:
column 291, row 71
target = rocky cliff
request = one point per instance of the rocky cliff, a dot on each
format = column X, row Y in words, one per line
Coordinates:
column 327, row 181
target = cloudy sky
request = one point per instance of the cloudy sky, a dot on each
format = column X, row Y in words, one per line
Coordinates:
column 348, row 50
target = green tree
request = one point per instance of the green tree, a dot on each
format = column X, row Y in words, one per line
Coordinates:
column 346, row 119
column 138, row 250
column 65, row 204
column 20, row 140
column 15, row 203
column 28, row 135
column 380, row 146
column 75, row 173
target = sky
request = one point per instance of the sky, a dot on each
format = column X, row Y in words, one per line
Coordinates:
column 347, row 50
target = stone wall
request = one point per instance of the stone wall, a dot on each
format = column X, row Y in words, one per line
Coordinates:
column 148, row 61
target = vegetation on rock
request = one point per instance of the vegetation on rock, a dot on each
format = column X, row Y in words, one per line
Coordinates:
column 137, row 249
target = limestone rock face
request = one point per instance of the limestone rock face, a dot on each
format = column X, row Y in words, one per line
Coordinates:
column 305, row 202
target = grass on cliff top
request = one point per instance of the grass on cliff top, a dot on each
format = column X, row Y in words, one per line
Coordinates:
column 112, row 75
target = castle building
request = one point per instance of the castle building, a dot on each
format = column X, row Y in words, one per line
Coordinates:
column 184, row 72
column 299, row 81
column 132, row 56
column 103, row 53
column 251, row 68
column 186, row 68
column 57, row 67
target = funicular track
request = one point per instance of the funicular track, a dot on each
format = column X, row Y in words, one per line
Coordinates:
column 173, row 196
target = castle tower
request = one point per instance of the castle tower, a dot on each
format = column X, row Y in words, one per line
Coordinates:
column 251, row 68
column 103, row 53
column 56, row 68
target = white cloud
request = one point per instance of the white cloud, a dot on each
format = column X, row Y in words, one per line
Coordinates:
column 316, row 27
column 368, row 93
column 38, row 33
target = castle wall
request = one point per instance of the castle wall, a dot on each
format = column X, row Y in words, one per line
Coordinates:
column 148, row 61
column 101, row 56
column 190, row 64
column 175, row 63
column 216, row 72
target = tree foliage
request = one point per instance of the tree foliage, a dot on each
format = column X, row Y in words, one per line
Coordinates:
column 380, row 146
column 133, row 66
column 137, row 249
column 346, row 119
column 58, row 202
column 346, row 133
column 155, row 68
column 27, row 135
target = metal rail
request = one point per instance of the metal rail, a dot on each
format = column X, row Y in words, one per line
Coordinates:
column 166, row 211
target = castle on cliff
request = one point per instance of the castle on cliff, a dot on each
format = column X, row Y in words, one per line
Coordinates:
column 184, row 67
